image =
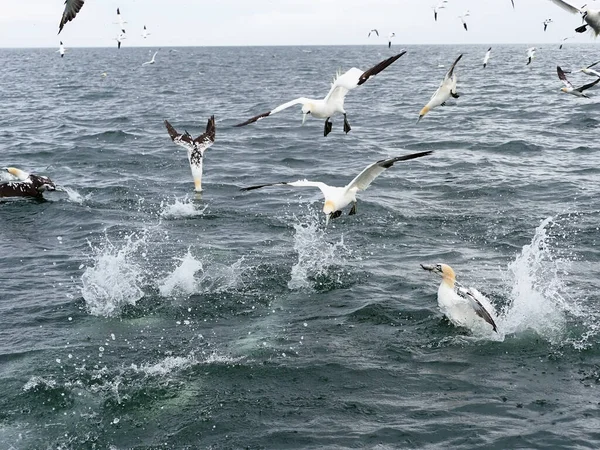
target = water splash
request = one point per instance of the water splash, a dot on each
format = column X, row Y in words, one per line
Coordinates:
column 114, row 279
column 74, row 196
column 181, row 209
column 182, row 281
column 316, row 255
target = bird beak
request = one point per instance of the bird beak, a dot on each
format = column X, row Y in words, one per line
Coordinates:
column 304, row 118
column 327, row 217
column 430, row 268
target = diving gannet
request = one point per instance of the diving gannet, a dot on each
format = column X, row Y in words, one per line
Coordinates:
column 195, row 148
column 120, row 38
column 72, row 7
column 145, row 33
column 436, row 8
column 546, row 23
column 390, row 36
column 464, row 307
column 27, row 185
column 61, row 50
column 530, row 55
column 462, row 19
column 120, row 20
column 446, row 90
column 337, row 198
column 487, row 57
column 333, row 102
column 569, row 89
column 589, row 71
column 590, row 16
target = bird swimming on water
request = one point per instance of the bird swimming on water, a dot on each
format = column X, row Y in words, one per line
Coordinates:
column 25, row 184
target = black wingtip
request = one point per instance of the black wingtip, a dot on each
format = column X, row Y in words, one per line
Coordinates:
column 581, row 29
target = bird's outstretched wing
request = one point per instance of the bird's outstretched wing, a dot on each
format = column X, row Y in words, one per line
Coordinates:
column 72, row 7
column 372, row 171
column 592, row 65
column 289, row 104
column 450, row 72
column 566, row 6
column 184, row 140
column 477, row 306
column 587, row 86
column 300, row 183
column 207, row 138
column 379, row 68
column 563, row 77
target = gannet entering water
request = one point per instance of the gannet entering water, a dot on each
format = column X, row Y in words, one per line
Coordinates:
column 390, row 36
column 462, row 19
column 72, row 7
column 463, row 307
column 337, row 198
column 373, row 31
column 487, row 57
column 569, row 89
column 333, row 102
column 61, row 50
column 530, row 55
column 436, row 8
column 28, row 185
column 590, row 16
column 152, row 60
column 446, row 90
column 195, row 148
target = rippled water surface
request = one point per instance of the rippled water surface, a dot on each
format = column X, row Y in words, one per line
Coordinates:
column 136, row 314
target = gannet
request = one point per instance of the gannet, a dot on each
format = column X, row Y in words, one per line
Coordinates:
column 436, row 8
column 333, row 102
column 569, row 89
column 446, row 90
column 120, row 21
column 195, row 148
column 464, row 307
column 145, row 33
column 61, row 50
column 590, row 16
column 589, row 71
column 530, row 55
column 462, row 19
column 546, row 23
column 390, row 36
column 152, row 60
column 337, row 198
column 373, row 31
column 513, row 3
column 487, row 57
column 120, row 38
column 72, row 7
column 27, row 185
column 563, row 42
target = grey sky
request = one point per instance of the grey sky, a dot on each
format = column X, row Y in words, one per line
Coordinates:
column 34, row 23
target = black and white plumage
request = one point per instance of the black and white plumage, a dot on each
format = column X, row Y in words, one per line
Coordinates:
column 546, row 23
column 486, row 58
column 61, row 50
column 72, row 7
column 195, row 148
column 462, row 19
column 145, row 33
column 436, row 8
column 337, row 198
column 373, row 31
column 390, row 36
column 333, row 103
column 120, row 21
column 25, row 184
column 120, row 38
column 590, row 16
column 589, row 71
column 530, row 55
column 443, row 93
column 569, row 88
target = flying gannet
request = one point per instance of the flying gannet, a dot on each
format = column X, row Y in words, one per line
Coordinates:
column 26, row 184
column 333, row 102
column 464, row 307
column 530, row 55
column 120, row 38
column 569, row 89
column 337, row 198
column 120, row 21
column 546, row 23
column 486, row 58
column 436, row 8
column 446, row 90
column 145, row 33
column 390, row 36
column 373, row 31
column 563, row 42
column 152, row 61
column 462, row 19
column 590, row 16
column 589, row 71
column 195, row 148
column 61, row 50
column 72, row 7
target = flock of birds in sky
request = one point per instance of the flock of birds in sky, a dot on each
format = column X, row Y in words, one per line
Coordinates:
column 463, row 307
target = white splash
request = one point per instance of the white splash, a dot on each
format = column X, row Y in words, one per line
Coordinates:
column 181, row 209
column 182, row 281
column 166, row 366
column 35, row 381
column 74, row 196
column 315, row 254
column 114, row 279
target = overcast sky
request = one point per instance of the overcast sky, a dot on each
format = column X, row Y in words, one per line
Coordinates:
column 34, row 23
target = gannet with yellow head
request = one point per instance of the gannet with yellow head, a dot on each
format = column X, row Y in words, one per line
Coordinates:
column 569, row 88
column 23, row 184
column 446, row 90
column 464, row 307
column 337, row 198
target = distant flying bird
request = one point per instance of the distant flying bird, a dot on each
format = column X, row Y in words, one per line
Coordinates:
column 333, row 102
column 563, row 42
column 446, row 90
column 152, row 60
column 120, row 20
column 589, row 71
column 436, row 8
column 145, row 33
column 337, row 198
column 546, row 23
column 590, row 16
column 464, row 307
column 513, row 3
column 530, row 55
column 487, row 57
column 195, row 148
column 373, row 31
column 61, row 50
column 569, row 89
column 72, row 7
column 462, row 19
column 120, row 38
column 390, row 36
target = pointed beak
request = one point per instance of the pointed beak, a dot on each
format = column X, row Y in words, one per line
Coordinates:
column 428, row 267
column 304, row 118
column 420, row 117
column 327, row 217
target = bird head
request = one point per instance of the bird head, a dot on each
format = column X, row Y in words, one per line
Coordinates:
column 564, row 89
column 42, row 184
column 306, row 108
column 329, row 207
column 18, row 173
column 423, row 112
column 444, row 270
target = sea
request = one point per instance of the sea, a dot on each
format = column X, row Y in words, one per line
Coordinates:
column 138, row 314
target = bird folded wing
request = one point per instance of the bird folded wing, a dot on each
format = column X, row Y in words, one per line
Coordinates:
column 72, row 7
column 477, row 306
column 378, row 68
column 563, row 77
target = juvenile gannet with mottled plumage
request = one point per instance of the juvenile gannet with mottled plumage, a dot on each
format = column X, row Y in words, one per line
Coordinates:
column 72, row 7
column 195, row 148
column 446, row 90
column 487, row 57
column 337, row 198
column 569, row 88
column 333, row 102
column 464, row 307
column 590, row 16
column 25, row 184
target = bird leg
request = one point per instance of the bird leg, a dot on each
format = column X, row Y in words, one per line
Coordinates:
column 347, row 127
column 328, row 127
column 353, row 210
column 454, row 94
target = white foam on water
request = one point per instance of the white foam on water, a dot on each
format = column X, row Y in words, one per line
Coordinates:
column 180, row 209
column 182, row 280
column 166, row 366
column 74, row 196
column 114, row 279
column 315, row 253
column 35, row 381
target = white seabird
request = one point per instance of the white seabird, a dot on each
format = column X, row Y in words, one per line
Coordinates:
column 462, row 19
column 464, row 307
column 546, row 23
column 570, row 89
column 563, row 42
column 72, row 7
column 61, row 50
column 436, row 8
column 589, row 71
column 390, row 36
column 333, row 102
column 374, row 30
column 590, row 16
column 152, row 61
column 195, row 148
column 337, row 198
column 145, row 33
column 446, row 90
column 120, row 21
column 530, row 55
column 486, row 58
column 120, row 38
